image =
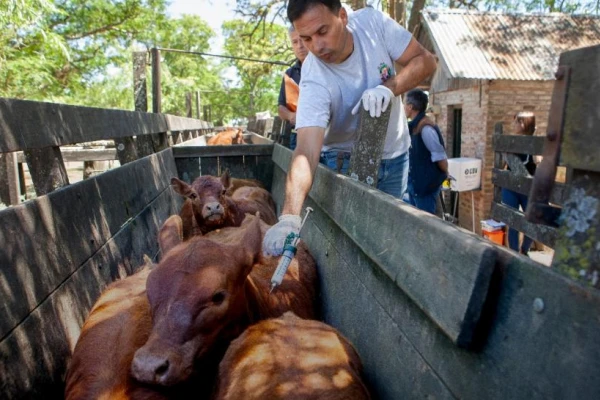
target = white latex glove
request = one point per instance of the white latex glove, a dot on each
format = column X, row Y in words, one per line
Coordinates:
column 275, row 237
column 375, row 100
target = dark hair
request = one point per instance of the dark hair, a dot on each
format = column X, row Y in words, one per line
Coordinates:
column 418, row 99
column 296, row 8
column 527, row 120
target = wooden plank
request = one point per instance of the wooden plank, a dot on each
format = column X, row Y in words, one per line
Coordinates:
column 516, row 220
column 498, row 163
column 431, row 262
column 78, row 155
column 47, row 169
column 580, row 135
column 180, row 124
column 49, row 333
column 188, row 169
column 524, row 351
column 218, row 151
column 522, row 184
column 368, row 149
column 256, row 139
column 58, row 232
column 9, row 179
column 276, row 132
column 518, row 144
column 28, row 124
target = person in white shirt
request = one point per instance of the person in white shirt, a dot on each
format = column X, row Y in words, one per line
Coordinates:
column 352, row 62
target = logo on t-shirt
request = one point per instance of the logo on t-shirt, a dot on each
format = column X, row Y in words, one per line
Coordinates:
column 385, row 72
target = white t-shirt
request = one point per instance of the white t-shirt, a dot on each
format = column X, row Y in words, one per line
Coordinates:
column 329, row 92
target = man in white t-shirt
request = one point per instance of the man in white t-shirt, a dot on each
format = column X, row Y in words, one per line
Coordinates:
column 352, row 61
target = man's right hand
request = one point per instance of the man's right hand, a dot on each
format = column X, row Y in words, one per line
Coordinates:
column 274, row 239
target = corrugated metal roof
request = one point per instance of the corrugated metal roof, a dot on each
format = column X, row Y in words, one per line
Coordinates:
column 491, row 45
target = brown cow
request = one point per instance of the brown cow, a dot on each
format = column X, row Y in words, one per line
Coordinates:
column 118, row 324
column 291, row 358
column 227, row 137
column 208, row 207
column 208, row 290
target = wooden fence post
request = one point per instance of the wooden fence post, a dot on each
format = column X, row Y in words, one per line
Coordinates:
column 160, row 140
column 47, row 169
column 9, row 179
column 143, row 143
column 367, row 151
column 276, row 132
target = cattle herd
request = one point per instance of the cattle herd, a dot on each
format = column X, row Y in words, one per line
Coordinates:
column 228, row 136
column 201, row 323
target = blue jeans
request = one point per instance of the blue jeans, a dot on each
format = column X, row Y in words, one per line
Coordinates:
column 515, row 200
column 293, row 139
column 392, row 177
column 425, row 203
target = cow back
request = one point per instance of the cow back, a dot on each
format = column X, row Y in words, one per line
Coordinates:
column 291, row 358
column 118, row 324
column 251, row 200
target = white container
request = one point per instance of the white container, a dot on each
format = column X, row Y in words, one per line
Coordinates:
column 466, row 172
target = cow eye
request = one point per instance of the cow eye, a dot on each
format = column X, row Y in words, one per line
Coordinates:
column 218, row 298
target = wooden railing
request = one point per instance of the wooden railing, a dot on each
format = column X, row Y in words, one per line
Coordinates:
column 135, row 134
column 518, row 180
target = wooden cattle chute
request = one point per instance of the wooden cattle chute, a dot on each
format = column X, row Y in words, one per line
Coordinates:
column 433, row 310
column 40, row 129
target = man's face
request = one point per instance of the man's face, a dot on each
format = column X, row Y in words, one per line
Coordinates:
column 324, row 34
column 299, row 50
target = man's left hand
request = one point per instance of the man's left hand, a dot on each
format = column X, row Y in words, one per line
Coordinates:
column 375, row 101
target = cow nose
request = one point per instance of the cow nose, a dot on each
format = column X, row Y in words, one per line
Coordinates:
column 213, row 207
column 149, row 368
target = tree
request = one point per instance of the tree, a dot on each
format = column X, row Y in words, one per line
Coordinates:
column 57, row 51
column 259, row 81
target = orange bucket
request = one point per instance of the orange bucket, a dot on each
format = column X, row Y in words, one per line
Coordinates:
column 495, row 236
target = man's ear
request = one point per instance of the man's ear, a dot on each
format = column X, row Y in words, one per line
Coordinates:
column 343, row 16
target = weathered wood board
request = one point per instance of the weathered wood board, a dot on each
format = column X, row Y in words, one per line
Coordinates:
column 60, row 231
column 32, row 125
column 78, row 240
column 581, row 140
column 243, row 161
column 430, row 260
column 536, row 339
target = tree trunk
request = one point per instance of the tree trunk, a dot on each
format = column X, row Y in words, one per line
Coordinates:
column 415, row 15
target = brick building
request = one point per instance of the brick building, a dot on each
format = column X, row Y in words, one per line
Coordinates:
column 491, row 66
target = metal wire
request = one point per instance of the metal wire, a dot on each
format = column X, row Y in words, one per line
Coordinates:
column 222, row 56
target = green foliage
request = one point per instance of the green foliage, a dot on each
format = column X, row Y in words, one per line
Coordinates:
column 54, row 51
column 259, row 82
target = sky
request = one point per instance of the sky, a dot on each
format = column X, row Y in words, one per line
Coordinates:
column 214, row 12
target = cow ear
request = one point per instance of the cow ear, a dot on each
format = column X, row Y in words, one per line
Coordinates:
column 170, row 234
column 183, row 188
column 226, row 179
column 250, row 249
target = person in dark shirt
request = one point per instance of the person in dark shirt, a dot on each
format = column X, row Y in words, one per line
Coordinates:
column 293, row 72
column 524, row 124
column 428, row 166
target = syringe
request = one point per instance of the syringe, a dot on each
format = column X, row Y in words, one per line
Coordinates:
column 289, row 251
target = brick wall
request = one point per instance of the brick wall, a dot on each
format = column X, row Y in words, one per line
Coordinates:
column 483, row 105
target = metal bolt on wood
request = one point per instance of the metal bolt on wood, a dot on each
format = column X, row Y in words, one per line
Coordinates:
column 538, row 305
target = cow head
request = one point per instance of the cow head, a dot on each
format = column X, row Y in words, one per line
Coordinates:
column 238, row 138
column 207, row 194
column 196, row 295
